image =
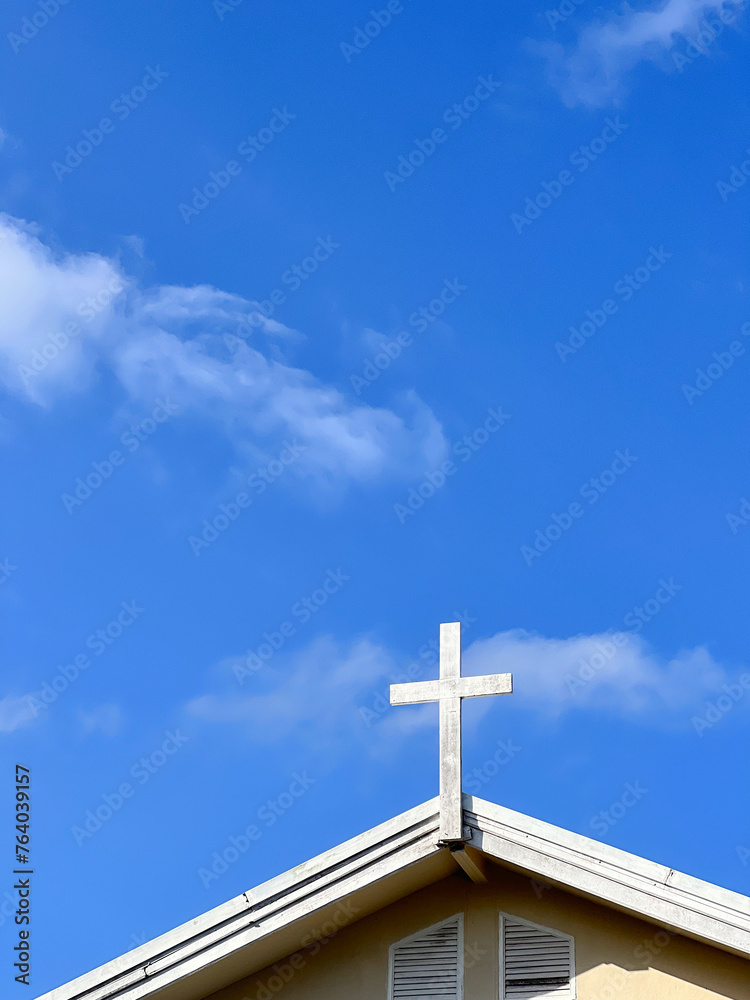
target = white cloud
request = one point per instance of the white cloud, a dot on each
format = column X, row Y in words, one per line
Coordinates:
column 14, row 713
column 314, row 696
column 318, row 694
column 183, row 343
column 593, row 673
column 105, row 719
column 41, row 291
column 592, row 72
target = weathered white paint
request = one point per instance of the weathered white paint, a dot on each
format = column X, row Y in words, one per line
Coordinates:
column 621, row 880
column 448, row 691
column 394, row 860
column 471, row 861
column 528, row 950
column 428, row 963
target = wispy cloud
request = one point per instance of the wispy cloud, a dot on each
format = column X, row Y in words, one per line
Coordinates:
column 41, row 292
column 317, row 695
column 593, row 72
column 611, row 673
column 212, row 352
column 312, row 696
column 14, row 713
column 105, row 719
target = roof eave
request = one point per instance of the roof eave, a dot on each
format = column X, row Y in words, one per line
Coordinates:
column 401, row 856
column 226, row 930
column 611, row 877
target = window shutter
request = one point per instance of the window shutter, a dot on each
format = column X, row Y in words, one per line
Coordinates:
column 429, row 965
column 536, row 962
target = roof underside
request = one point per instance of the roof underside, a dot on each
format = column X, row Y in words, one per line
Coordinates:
column 392, row 861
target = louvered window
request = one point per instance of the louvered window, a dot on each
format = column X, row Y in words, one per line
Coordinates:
column 536, row 963
column 429, row 965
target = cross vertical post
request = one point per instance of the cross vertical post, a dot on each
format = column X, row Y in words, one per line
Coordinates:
column 451, row 811
column 448, row 691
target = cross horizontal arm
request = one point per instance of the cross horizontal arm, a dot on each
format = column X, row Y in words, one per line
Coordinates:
column 478, row 687
column 415, row 692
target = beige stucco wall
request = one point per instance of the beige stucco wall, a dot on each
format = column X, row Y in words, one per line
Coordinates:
column 617, row 957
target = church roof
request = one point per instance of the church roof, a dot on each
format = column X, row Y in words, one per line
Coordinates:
column 261, row 926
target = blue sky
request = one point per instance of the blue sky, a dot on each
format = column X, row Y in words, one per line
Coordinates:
column 309, row 345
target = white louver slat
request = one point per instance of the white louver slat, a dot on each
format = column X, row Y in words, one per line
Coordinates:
column 428, row 965
column 537, row 963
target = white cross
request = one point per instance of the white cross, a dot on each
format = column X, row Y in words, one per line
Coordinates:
column 449, row 691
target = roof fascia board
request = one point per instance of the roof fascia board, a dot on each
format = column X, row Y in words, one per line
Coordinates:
column 642, row 888
column 374, row 854
column 625, row 881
